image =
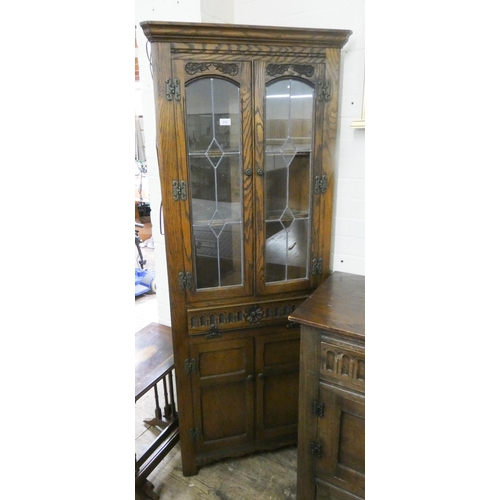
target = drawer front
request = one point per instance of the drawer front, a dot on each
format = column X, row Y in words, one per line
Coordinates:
column 205, row 320
column 345, row 366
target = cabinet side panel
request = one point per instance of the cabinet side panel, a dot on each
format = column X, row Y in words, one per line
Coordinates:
column 310, row 355
column 168, row 162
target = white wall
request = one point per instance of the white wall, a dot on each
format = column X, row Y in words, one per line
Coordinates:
column 157, row 10
column 348, row 238
column 217, row 11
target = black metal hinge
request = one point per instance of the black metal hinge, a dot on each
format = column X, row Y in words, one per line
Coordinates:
column 320, row 184
column 173, row 89
column 185, row 281
column 194, row 434
column 318, row 408
column 316, row 449
column 179, row 190
column 324, row 93
column 190, row 366
column 317, row 266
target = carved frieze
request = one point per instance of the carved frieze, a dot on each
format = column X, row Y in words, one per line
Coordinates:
column 342, row 365
column 281, row 69
column 224, row 68
column 241, row 315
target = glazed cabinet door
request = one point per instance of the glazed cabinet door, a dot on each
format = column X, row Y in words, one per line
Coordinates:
column 277, row 385
column 223, row 393
column 289, row 182
column 213, row 120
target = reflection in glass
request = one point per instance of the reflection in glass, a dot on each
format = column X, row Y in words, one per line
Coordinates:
column 214, row 131
column 289, row 118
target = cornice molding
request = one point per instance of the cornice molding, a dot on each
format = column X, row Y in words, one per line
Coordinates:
column 161, row 31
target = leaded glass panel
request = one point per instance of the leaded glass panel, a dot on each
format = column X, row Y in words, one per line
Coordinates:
column 288, row 133
column 214, row 145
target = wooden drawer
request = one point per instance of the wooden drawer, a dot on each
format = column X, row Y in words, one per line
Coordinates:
column 204, row 320
column 343, row 365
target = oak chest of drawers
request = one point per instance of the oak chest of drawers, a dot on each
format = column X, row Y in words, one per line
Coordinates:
column 331, row 440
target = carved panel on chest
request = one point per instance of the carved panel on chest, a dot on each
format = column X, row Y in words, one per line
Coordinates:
column 345, row 366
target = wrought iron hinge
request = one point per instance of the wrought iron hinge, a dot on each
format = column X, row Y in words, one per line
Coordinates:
column 316, row 449
column 213, row 332
column 185, row 281
column 320, row 184
column 324, row 90
column 190, row 366
column 194, row 434
column 318, row 408
column 173, row 89
column 179, row 190
column 317, row 267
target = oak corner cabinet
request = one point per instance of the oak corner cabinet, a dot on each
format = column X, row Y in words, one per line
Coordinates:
column 331, row 442
column 246, row 123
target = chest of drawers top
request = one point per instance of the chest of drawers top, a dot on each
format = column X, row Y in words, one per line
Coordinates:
column 338, row 305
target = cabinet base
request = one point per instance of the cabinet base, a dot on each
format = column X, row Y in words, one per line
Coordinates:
column 240, row 451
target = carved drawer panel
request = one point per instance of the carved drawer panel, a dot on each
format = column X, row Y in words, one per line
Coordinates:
column 344, row 366
column 214, row 320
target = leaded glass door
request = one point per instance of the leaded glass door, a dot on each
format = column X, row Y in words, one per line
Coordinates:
column 216, row 115
column 287, row 239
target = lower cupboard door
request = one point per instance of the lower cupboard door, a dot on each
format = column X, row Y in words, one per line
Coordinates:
column 277, row 385
column 341, row 433
column 223, row 394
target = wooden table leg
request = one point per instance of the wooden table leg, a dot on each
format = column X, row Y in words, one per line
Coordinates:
column 145, row 491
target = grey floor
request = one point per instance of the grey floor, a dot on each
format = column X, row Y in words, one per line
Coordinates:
column 269, row 475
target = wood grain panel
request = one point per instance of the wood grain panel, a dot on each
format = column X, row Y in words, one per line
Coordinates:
column 168, row 161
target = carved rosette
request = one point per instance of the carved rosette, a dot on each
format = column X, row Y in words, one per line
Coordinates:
column 226, row 69
column 254, row 314
column 281, row 69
